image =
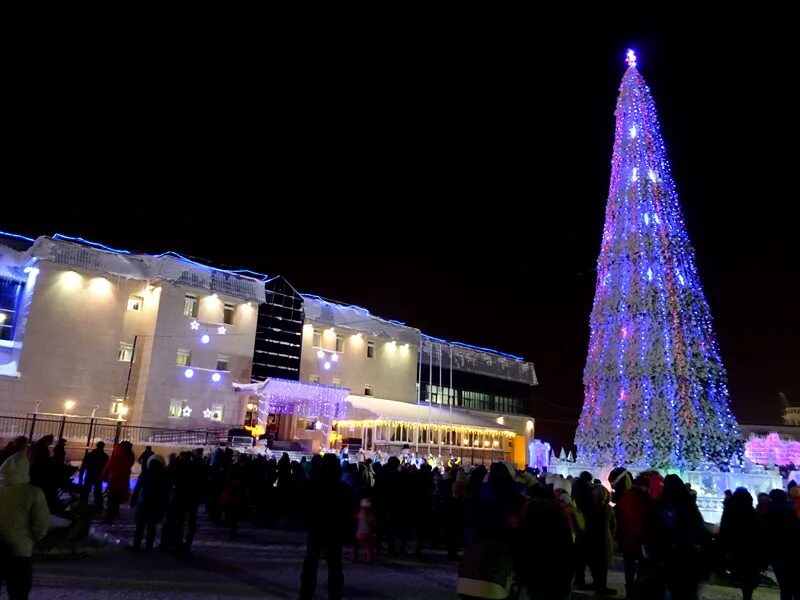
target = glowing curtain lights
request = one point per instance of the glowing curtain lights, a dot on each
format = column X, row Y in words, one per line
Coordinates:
column 655, row 387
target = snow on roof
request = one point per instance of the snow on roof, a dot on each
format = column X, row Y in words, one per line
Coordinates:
column 480, row 361
column 357, row 319
column 164, row 267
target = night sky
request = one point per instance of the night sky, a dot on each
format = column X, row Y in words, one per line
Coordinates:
column 458, row 187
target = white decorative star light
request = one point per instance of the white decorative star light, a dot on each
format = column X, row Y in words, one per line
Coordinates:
column 187, row 411
column 195, row 325
column 222, row 330
column 207, row 413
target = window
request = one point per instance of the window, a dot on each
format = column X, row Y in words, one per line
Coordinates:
column 216, row 412
column 135, row 303
column 10, row 292
column 370, row 349
column 176, row 408
column 116, row 406
column 317, row 341
column 339, row 343
column 227, row 314
column 190, row 306
column 223, row 363
column 314, row 378
column 183, row 358
column 367, row 389
column 125, row 352
column 337, row 381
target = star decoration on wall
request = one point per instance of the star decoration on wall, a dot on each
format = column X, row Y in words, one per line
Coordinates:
column 222, row 330
column 195, row 325
column 187, row 411
column 207, row 413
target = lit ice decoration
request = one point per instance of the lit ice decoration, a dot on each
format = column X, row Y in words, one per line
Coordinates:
column 624, row 332
column 208, row 413
column 188, row 373
column 772, row 450
column 187, row 411
column 320, row 354
column 650, row 274
column 635, row 176
column 652, row 175
column 335, row 357
column 195, row 325
column 216, row 377
column 205, row 338
column 633, row 131
column 630, row 58
column 327, row 365
column 681, row 279
column 222, row 330
column 646, row 219
column 656, row 219
column 318, row 425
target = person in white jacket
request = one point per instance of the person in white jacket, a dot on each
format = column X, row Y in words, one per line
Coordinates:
column 24, row 518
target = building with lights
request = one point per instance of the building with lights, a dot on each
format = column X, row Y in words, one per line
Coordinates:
column 156, row 339
column 164, row 341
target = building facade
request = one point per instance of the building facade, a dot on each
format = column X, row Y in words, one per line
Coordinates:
column 158, row 340
column 164, row 341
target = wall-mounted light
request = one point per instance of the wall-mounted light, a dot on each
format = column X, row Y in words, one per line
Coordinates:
column 335, row 357
column 205, row 338
column 216, row 377
column 320, row 354
column 69, row 405
column 529, row 426
column 100, row 286
column 3, row 317
column 327, row 366
column 70, row 280
column 188, row 373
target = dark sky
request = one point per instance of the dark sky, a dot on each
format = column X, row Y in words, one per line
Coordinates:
column 458, row 186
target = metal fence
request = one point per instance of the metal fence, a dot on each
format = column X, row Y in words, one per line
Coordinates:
column 35, row 425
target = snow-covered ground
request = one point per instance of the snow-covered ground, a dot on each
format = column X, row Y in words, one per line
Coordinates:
column 258, row 564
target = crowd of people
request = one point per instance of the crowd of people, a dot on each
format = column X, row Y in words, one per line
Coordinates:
column 548, row 530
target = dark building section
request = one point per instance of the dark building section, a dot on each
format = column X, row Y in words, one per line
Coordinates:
column 279, row 332
column 481, row 380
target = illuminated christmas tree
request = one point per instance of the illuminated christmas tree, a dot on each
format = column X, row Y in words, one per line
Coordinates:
column 655, row 388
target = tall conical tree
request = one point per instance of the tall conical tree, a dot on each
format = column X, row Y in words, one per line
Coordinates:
column 655, row 388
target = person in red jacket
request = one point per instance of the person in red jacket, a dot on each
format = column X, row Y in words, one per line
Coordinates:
column 118, row 474
column 630, row 511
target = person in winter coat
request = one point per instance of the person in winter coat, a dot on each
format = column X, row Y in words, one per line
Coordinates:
column 741, row 535
column 794, row 496
column 582, row 496
column 327, row 527
column 24, row 519
column 782, row 527
column 18, row 444
column 629, row 512
column 91, row 467
column 601, row 527
column 150, row 501
column 675, row 541
column 365, row 531
column 118, row 474
column 43, row 473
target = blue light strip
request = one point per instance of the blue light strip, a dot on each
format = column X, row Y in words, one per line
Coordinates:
column 17, row 236
column 255, row 274
column 80, row 240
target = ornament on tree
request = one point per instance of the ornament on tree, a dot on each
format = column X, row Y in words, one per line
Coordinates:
column 655, row 387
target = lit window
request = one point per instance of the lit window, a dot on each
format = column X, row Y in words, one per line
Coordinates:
column 135, row 303
column 337, row 381
column 223, row 363
column 190, row 306
column 227, row 314
column 116, row 406
column 370, row 349
column 176, row 408
column 216, row 412
column 125, row 352
column 314, row 378
column 183, row 358
column 367, row 390
column 317, row 340
column 339, row 343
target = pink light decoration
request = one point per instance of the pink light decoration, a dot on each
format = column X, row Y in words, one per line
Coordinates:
column 624, row 333
column 772, row 450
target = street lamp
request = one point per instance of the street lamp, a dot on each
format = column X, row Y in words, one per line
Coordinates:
column 68, row 406
column 123, row 410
